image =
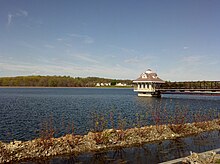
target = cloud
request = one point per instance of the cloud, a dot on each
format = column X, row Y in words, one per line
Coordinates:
column 15, row 68
column 53, row 67
column 60, row 39
column 185, row 47
column 126, row 50
column 32, row 23
column 83, row 65
column 22, row 13
column 85, row 58
column 194, row 59
column 86, row 39
column 49, row 46
column 65, row 41
column 9, row 19
column 68, row 45
column 134, row 60
column 192, row 67
column 215, row 62
column 19, row 13
column 27, row 45
column 69, row 40
column 187, row 68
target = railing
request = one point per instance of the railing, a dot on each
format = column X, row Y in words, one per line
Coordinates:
column 144, row 89
column 198, row 85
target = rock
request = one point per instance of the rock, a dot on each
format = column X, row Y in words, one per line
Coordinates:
column 90, row 136
column 109, row 138
column 17, row 143
column 202, row 158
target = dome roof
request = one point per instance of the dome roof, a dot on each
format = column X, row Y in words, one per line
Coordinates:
column 149, row 71
column 149, row 76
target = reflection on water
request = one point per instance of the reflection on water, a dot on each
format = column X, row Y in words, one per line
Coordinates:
column 172, row 149
column 206, row 141
column 147, row 153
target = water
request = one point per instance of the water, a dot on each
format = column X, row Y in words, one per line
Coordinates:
column 23, row 110
column 147, row 153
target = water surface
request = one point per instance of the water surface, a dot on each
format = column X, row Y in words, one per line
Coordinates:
column 23, row 110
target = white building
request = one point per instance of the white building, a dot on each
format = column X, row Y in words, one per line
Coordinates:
column 147, row 83
column 102, row 84
column 121, row 85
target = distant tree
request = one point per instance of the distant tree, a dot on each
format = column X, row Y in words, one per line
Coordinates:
column 113, row 82
column 57, row 81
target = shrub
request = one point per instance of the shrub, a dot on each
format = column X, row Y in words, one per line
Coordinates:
column 177, row 122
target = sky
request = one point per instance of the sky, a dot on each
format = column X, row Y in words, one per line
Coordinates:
column 178, row 39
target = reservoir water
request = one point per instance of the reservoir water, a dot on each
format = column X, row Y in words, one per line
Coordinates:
column 23, row 110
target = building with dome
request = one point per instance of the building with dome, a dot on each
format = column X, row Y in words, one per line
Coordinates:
column 147, row 84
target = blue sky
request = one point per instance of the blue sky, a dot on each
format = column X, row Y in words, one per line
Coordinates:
column 180, row 40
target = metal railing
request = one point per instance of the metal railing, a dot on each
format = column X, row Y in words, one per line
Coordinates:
column 193, row 85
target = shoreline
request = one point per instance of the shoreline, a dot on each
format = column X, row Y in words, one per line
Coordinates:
column 109, row 139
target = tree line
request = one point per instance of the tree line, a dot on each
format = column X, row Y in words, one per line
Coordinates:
column 57, row 81
column 192, row 85
column 67, row 81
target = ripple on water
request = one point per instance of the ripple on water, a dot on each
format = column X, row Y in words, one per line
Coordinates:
column 23, row 110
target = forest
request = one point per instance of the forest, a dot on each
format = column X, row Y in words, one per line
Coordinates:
column 67, row 81
column 57, row 81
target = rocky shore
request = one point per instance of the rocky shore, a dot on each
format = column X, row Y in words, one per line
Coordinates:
column 202, row 158
column 99, row 141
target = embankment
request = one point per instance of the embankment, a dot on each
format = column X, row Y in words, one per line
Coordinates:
column 99, row 141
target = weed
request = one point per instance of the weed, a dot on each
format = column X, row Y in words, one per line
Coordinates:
column 157, row 118
column 102, row 137
column 140, row 123
column 73, row 140
column 121, row 127
column 99, row 122
column 178, row 121
column 98, row 138
column 111, row 117
column 71, row 129
column 47, row 132
column 202, row 120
